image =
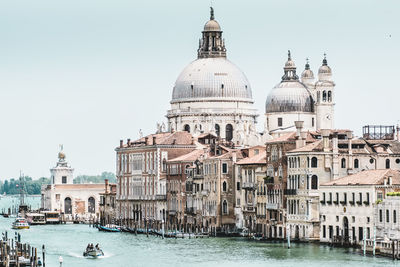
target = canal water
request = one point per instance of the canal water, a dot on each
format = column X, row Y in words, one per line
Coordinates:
column 125, row 250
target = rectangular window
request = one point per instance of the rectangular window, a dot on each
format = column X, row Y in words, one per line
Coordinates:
column 323, row 197
column 360, row 194
column 280, row 122
column 224, row 168
column 330, row 197
column 330, row 231
column 379, row 196
column 238, row 186
column 360, row 233
column 380, row 216
column 368, row 233
column 337, row 230
column 64, row 179
column 354, row 233
column 323, row 231
column 312, row 122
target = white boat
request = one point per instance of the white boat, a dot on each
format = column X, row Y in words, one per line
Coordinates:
column 20, row 223
column 93, row 253
column 35, row 218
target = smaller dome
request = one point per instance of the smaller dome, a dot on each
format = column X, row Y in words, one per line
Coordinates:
column 289, row 96
column 324, row 72
column 307, row 73
column 290, row 64
column 212, row 26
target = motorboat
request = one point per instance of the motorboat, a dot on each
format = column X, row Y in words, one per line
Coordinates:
column 93, row 252
column 20, row 223
column 36, row 218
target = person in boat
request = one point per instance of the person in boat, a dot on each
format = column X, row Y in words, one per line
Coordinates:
column 97, row 246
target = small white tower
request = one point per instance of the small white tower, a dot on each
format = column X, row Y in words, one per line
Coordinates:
column 62, row 173
column 325, row 100
column 307, row 77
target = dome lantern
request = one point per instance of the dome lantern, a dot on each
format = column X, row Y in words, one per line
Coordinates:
column 211, row 44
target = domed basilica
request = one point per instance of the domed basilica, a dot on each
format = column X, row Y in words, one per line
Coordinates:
column 212, row 95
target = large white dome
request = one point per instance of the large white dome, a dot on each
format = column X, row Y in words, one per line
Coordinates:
column 211, row 79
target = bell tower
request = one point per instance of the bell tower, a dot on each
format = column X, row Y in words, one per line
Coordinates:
column 325, row 100
column 62, row 173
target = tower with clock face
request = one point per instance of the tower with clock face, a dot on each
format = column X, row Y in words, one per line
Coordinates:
column 325, row 97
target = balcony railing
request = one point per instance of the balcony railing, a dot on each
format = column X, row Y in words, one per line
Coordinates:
column 269, row 180
column 323, row 202
column 290, row 192
column 249, row 185
column 161, row 197
column 272, row 206
column 343, row 202
column 366, row 203
column 351, row 203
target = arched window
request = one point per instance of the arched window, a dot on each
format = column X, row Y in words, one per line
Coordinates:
column 217, row 129
column 228, row 132
column 343, row 163
column 67, row 206
column 225, row 207
column 356, row 164
column 387, row 163
column 324, row 96
column 314, row 162
column 308, row 162
column 186, row 128
column 314, row 182
column 329, row 96
column 91, row 205
column 224, row 186
column 318, row 96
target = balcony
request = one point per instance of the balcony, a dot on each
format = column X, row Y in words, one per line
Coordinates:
column 204, row 193
column 343, row 202
column 359, row 203
column 329, row 202
column 249, row 185
column 336, row 202
column 298, row 217
column 323, row 202
column 249, row 208
column 366, row 203
column 161, row 197
column 290, row 192
column 269, row 180
column 272, row 206
column 172, row 212
column 190, row 211
column 352, row 203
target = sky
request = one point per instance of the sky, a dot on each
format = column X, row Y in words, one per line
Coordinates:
column 86, row 74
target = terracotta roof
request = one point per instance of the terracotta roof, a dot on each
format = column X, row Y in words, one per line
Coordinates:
column 191, row 156
column 283, row 138
column 370, row 177
column 315, row 146
column 178, row 138
column 257, row 159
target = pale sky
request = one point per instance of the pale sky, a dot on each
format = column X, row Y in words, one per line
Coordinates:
column 89, row 73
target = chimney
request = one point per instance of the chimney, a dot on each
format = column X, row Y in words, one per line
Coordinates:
column 234, row 156
column 398, row 132
column 325, row 139
column 384, row 181
column 146, row 139
column 300, row 141
column 154, row 140
column 128, row 142
column 390, row 180
column 335, row 147
column 121, row 143
column 106, row 184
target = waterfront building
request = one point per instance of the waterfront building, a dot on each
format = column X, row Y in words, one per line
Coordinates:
column 301, row 100
column 347, row 205
column 387, row 216
column 218, row 190
column 277, row 177
column 108, row 204
column 74, row 201
column 141, row 176
column 336, row 154
column 212, row 95
column 250, row 190
column 177, row 171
